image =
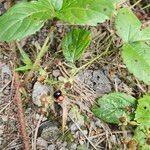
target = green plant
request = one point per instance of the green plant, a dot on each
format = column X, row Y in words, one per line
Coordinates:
column 74, row 44
column 119, row 108
column 136, row 52
column 26, row 18
column 142, row 136
column 25, row 59
column 142, row 113
column 114, row 107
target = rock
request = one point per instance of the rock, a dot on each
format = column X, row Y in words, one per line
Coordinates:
column 1, row 139
column 39, row 90
column 73, row 127
column 1, row 130
column 5, row 70
column 74, row 146
column 56, row 73
column 96, row 80
column 63, row 148
column 85, row 132
column 64, row 144
column 51, row 147
column 49, row 131
column 41, row 142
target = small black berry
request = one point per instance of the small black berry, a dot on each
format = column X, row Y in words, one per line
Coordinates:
column 57, row 94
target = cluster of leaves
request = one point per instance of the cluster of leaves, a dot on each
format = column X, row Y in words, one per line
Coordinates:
column 142, row 116
column 136, row 52
column 119, row 108
column 114, row 106
column 26, row 18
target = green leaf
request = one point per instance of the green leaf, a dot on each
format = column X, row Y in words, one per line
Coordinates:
column 127, row 24
column 143, row 35
column 24, row 68
column 57, row 4
column 24, row 19
column 136, row 56
column 142, row 114
column 114, row 106
column 116, row 1
column 25, row 58
column 75, row 43
column 89, row 12
column 141, row 137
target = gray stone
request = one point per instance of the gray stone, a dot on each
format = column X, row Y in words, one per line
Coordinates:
column 5, row 70
column 49, row 131
column 39, row 90
column 41, row 142
column 73, row 127
column 51, row 147
column 56, row 73
column 96, row 80
column 74, row 146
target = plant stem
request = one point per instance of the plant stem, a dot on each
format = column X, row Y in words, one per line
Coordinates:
column 18, row 102
column 90, row 62
column 42, row 52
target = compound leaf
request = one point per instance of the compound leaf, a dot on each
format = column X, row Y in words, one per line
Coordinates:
column 24, row 19
column 142, row 114
column 74, row 44
column 89, row 12
column 114, row 106
column 136, row 56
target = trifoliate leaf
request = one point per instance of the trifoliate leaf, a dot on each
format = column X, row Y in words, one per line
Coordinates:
column 24, row 19
column 127, row 24
column 142, row 114
column 136, row 56
column 115, row 106
column 86, row 12
column 74, row 44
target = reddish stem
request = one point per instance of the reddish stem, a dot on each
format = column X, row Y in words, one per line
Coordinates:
column 20, row 111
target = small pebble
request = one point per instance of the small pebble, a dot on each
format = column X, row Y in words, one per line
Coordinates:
column 42, row 142
column 74, row 146
column 56, row 73
column 73, row 127
column 51, row 147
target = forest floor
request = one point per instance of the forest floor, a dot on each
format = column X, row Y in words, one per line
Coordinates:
column 43, row 115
